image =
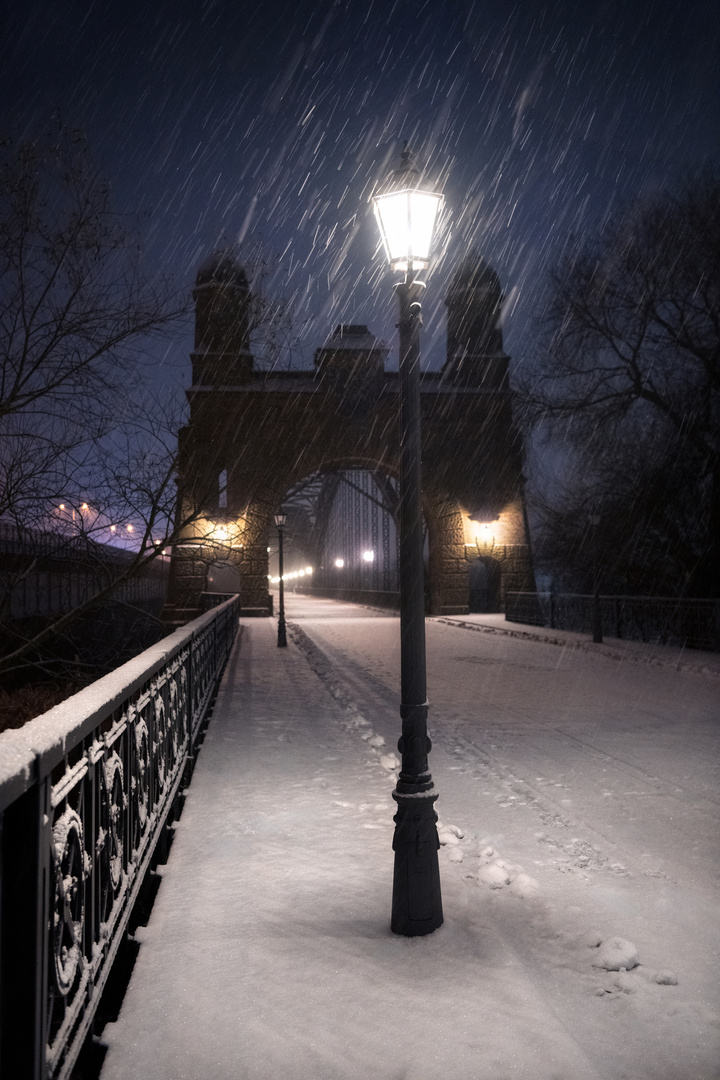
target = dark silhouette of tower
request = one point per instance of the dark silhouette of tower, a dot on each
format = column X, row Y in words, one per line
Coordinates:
column 222, row 322
column 474, row 300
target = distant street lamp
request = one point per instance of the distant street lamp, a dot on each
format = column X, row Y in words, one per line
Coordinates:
column 406, row 215
column 280, row 519
column 594, row 521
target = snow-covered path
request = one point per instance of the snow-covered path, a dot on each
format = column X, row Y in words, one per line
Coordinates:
column 585, row 787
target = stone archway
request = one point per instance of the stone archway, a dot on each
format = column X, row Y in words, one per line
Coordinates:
column 265, row 430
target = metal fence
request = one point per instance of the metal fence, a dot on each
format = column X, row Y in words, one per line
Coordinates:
column 50, row 592
column 694, row 624
column 44, row 573
column 85, row 793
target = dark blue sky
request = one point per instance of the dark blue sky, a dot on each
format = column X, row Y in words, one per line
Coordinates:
column 227, row 119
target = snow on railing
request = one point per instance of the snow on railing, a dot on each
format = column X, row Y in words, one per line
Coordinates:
column 86, row 791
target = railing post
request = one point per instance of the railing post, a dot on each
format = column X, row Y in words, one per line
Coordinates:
column 190, row 695
column 25, row 887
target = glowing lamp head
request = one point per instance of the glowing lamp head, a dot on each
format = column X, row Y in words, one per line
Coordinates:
column 280, row 518
column 368, row 556
column 406, row 216
column 339, row 563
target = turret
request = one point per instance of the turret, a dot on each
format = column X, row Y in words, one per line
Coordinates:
column 475, row 354
column 222, row 322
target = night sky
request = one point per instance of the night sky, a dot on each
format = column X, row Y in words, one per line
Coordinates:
column 270, row 120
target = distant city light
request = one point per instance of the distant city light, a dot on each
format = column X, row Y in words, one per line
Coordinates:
column 61, row 506
column 308, row 570
column 84, row 506
column 113, row 528
column 368, row 556
column 129, row 528
column 339, row 563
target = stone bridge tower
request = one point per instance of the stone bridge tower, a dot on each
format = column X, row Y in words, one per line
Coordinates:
column 254, row 434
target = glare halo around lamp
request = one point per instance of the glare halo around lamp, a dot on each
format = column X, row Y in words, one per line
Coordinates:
column 406, row 215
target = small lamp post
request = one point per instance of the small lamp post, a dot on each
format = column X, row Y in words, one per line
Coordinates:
column 406, row 215
column 594, row 521
column 280, row 519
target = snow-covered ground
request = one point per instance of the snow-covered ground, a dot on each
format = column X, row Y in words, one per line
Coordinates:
column 579, row 804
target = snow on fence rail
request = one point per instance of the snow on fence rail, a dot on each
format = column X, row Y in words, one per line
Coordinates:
column 691, row 623
column 85, row 792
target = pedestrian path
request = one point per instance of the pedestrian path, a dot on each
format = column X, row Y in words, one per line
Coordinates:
column 268, row 953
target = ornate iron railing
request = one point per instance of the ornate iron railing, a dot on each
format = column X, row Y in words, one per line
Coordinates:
column 690, row 623
column 85, row 793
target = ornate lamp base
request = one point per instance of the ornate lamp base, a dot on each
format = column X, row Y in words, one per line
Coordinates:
column 417, row 901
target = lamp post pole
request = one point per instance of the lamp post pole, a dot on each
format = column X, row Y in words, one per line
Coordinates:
column 406, row 214
column 417, row 901
column 282, row 634
column 597, row 633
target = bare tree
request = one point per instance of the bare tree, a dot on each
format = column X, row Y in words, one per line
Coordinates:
column 86, row 453
column 629, row 370
column 626, row 523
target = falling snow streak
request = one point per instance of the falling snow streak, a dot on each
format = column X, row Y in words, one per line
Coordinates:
column 227, row 121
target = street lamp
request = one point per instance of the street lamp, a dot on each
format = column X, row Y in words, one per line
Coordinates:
column 280, row 519
column 406, row 215
column 594, row 521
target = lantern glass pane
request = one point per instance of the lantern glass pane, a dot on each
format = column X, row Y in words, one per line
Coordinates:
column 423, row 211
column 407, row 220
column 392, row 213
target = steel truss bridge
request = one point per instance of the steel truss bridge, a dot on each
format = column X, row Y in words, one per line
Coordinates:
column 343, row 523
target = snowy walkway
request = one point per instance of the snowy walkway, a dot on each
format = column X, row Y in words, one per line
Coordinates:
column 268, row 952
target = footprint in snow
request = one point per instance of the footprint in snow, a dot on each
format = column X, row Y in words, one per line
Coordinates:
column 496, row 873
column 390, row 762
